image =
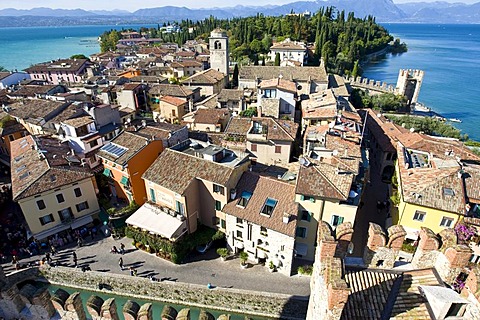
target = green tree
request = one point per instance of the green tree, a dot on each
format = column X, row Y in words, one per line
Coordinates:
column 277, row 59
column 79, row 56
column 235, row 76
column 355, row 71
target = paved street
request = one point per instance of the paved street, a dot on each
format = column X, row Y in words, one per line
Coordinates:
column 375, row 191
column 201, row 269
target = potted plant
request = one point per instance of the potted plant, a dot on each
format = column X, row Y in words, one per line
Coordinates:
column 271, row 266
column 223, row 253
column 243, row 259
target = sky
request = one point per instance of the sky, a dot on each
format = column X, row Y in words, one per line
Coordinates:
column 132, row 5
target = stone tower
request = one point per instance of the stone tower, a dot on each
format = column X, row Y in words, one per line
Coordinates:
column 409, row 83
column 219, row 54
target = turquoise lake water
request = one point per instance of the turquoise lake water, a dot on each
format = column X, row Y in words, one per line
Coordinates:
column 448, row 54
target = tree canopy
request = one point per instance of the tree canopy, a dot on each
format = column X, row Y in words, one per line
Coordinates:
column 339, row 39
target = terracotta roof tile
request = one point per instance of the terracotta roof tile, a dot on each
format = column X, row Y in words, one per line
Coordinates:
column 284, row 130
column 288, row 73
column 238, row 126
column 175, row 171
column 132, row 142
column 230, row 95
column 279, row 83
column 79, row 121
column 425, row 186
column 262, row 188
column 173, row 100
column 35, row 171
column 322, row 180
column 209, row 76
column 171, row 90
column 210, row 116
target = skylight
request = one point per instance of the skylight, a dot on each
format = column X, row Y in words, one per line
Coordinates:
column 268, row 207
column 448, row 192
column 244, row 198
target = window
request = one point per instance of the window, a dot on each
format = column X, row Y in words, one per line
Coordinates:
column 173, row 113
column 278, row 149
column 82, row 206
column 301, row 232
column 218, row 205
column 41, row 204
column 269, row 206
column 307, row 198
column 446, row 222
column 448, row 192
column 263, row 231
column 306, row 216
column 254, row 147
column 152, row 195
column 60, row 198
column 419, row 215
column 270, row 93
column 239, row 221
column 218, row 189
column 46, row 219
column 336, row 220
column 244, row 198
column 78, row 192
column 11, row 137
column 239, row 234
column 65, row 214
column 179, row 207
column 223, row 224
column 94, row 143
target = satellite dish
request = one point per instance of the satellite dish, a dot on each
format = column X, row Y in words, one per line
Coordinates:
column 335, row 152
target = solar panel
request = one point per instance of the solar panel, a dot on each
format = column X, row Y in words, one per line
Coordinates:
column 114, row 149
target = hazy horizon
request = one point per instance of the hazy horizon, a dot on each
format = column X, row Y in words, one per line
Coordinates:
column 128, row 5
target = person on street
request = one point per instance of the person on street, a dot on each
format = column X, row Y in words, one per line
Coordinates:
column 74, row 254
column 120, row 263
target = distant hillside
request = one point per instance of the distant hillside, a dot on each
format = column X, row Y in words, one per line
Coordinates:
column 45, row 12
column 382, row 10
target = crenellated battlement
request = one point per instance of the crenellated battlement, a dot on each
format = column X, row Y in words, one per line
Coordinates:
column 370, row 85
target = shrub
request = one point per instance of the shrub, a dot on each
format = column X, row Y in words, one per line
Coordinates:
column 271, row 265
column 222, row 252
column 219, row 235
column 305, row 270
column 408, row 247
column 243, row 257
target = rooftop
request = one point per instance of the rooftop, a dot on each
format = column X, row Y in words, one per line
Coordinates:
column 170, row 90
column 73, row 65
column 123, row 147
column 230, row 95
column 42, row 163
column 279, row 83
column 207, row 77
column 184, row 167
column 260, row 189
column 288, row 73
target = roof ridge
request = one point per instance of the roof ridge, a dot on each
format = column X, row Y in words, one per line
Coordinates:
column 195, row 157
column 281, row 126
column 28, row 185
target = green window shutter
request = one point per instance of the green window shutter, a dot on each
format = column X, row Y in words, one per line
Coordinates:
column 302, row 197
column 309, row 217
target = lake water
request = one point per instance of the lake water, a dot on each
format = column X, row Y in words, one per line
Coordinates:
column 449, row 56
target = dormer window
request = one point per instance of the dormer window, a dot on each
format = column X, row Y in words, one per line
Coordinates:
column 269, row 206
column 245, row 197
column 218, row 189
column 448, row 192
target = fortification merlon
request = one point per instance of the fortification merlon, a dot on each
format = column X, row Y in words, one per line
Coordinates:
column 371, row 84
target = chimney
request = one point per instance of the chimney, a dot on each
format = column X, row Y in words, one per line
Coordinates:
column 458, row 256
column 428, row 240
column 233, row 194
column 286, row 218
column 376, row 237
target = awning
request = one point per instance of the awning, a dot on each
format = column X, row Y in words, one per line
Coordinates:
column 301, row 249
column 153, row 219
column 107, row 172
column 46, row 233
column 124, row 181
column 79, row 222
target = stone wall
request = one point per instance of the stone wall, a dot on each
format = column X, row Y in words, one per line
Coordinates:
column 230, row 300
column 381, row 251
column 329, row 291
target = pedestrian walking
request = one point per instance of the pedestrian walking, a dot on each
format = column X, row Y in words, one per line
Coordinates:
column 120, row 263
column 79, row 242
column 53, row 250
column 131, row 271
column 122, row 248
column 134, row 272
column 47, row 256
column 74, row 254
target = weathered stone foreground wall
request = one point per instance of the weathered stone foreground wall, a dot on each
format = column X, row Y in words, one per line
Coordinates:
column 224, row 299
